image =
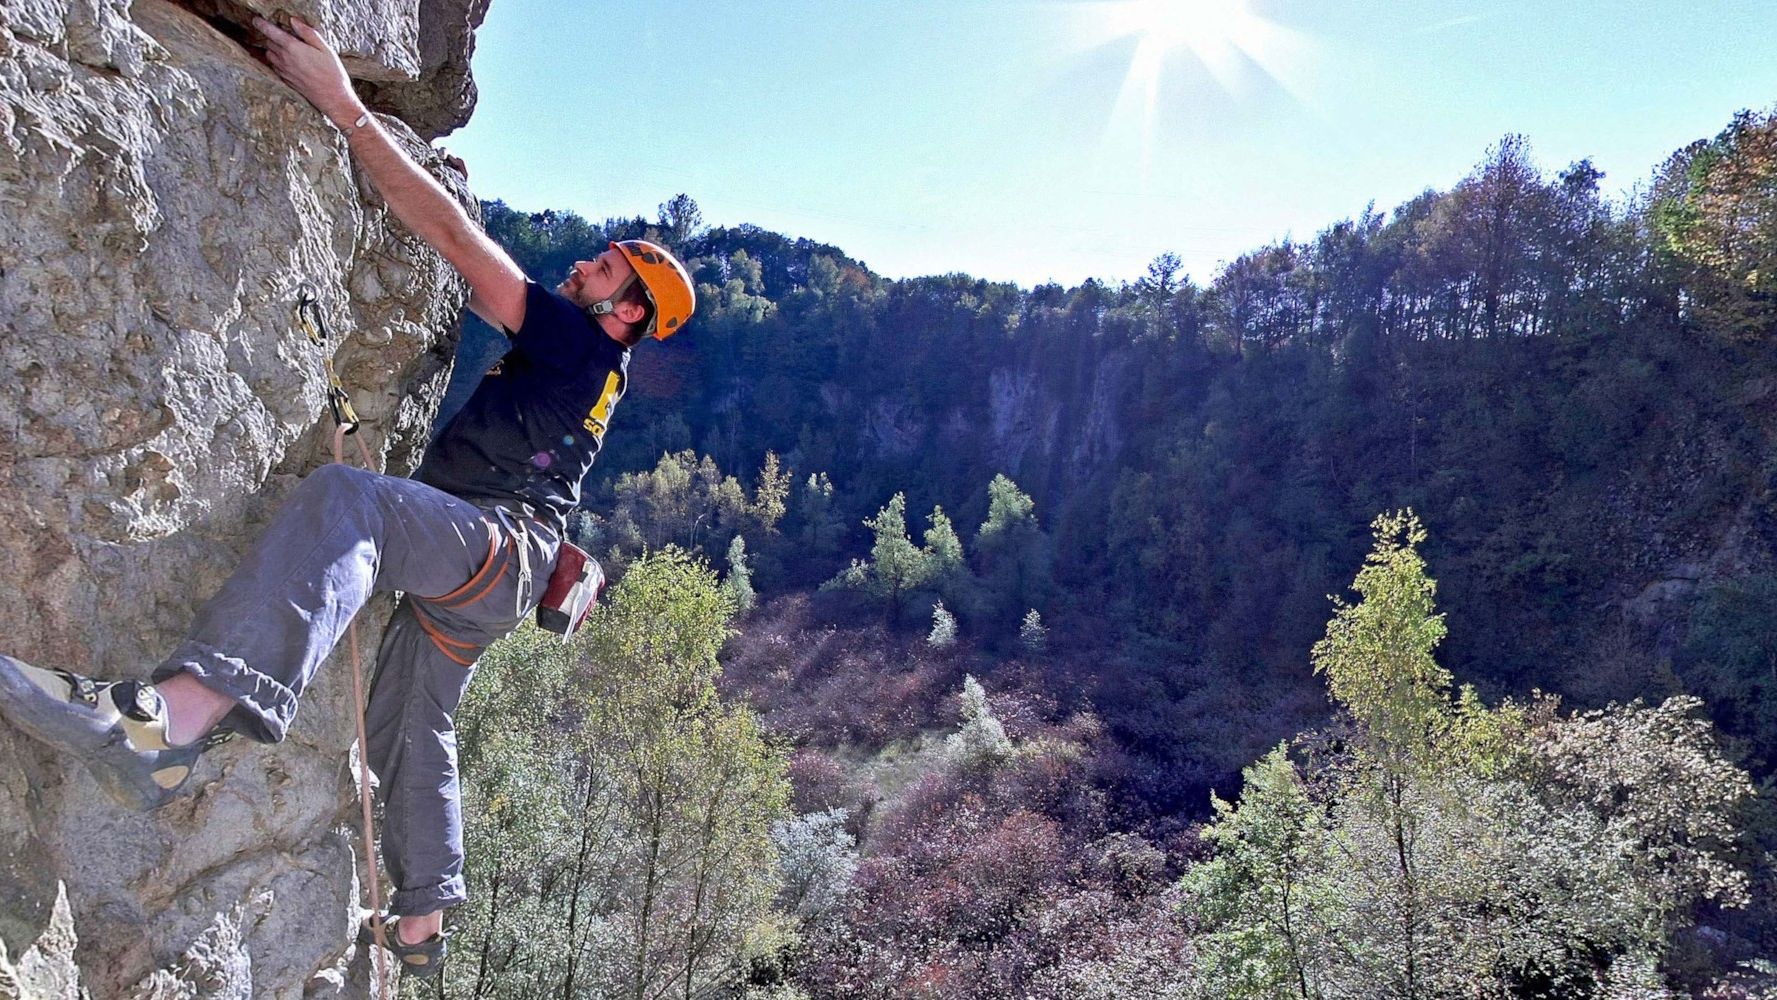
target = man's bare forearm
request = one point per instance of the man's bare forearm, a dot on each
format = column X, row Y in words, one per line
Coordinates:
column 306, row 62
column 415, row 196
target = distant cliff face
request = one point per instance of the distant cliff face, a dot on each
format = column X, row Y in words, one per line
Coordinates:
column 162, row 199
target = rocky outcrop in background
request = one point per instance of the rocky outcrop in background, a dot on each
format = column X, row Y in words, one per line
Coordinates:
column 163, row 198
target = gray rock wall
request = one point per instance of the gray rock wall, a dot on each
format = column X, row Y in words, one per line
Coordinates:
column 162, row 198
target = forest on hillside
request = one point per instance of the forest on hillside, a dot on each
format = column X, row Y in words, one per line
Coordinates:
column 975, row 641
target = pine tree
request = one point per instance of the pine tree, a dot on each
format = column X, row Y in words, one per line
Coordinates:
column 737, row 586
column 770, row 494
column 945, row 546
column 1033, row 635
column 982, row 740
column 896, row 565
column 943, row 634
column 1013, row 553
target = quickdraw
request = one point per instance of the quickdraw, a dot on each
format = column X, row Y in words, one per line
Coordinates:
column 308, row 316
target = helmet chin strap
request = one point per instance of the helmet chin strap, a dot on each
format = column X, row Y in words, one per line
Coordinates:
column 608, row 306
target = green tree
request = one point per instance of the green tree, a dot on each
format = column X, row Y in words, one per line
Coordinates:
column 896, row 566
column 618, row 814
column 770, row 494
column 943, row 634
column 1377, row 658
column 946, row 548
column 737, row 584
column 1268, row 895
column 700, row 783
column 1455, row 851
column 1014, row 555
column 685, row 500
column 1377, row 654
column 516, row 816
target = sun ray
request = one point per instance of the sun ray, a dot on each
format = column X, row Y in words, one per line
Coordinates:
column 1230, row 44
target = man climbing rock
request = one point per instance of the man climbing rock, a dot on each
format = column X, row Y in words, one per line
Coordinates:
column 471, row 540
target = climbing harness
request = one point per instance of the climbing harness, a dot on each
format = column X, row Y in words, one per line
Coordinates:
column 499, row 556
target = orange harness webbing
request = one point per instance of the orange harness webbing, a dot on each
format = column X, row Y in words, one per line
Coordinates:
column 479, row 586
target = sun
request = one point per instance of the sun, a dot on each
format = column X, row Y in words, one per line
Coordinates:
column 1206, row 27
column 1225, row 40
column 1224, row 36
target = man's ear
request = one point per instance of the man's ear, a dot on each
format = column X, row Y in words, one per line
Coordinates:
column 630, row 313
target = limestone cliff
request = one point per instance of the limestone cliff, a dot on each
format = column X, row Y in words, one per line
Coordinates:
column 162, row 199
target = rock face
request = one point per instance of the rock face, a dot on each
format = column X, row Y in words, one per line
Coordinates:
column 163, row 198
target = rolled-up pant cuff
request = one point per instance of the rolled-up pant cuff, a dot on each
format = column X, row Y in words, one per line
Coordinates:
column 418, row 902
column 263, row 706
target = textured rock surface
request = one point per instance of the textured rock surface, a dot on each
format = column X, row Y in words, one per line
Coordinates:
column 162, row 198
column 440, row 100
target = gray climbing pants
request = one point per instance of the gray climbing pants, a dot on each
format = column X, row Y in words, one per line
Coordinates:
column 343, row 535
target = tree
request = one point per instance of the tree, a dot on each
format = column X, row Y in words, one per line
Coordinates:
column 821, row 528
column 680, row 220
column 950, row 570
column 737, row 585
column 896, row 565
column 943, row 634
column 700, row 784
column 1032, row 634
column 619, row 815
column 1441, row 851
column 1377, row 657
column 1715, row 210
column 981, row 743
column 946, row 548
column 1156, row 289
column 685, row 500
column 1014, row 555
column 769, row 495
column 1009, row 510
column 1267, row 895
column 518, row 823
column 1730, row 658
column 1377, row 654
column 818, row 856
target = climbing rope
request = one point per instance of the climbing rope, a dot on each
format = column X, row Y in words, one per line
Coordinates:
column 345, row 421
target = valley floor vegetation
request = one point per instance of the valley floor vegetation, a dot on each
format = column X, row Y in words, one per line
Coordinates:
column 973, row 641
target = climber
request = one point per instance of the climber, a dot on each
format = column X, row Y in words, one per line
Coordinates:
column 479, row 526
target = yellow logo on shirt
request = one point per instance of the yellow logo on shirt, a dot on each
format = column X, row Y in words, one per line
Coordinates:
column 600, row 416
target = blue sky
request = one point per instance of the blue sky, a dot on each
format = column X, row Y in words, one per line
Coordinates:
column 1035, row 140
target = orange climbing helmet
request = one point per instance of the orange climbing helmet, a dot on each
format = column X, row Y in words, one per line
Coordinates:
column 667, row 283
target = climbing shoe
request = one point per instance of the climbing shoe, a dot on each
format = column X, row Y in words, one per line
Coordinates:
column 422, row 960
column 117, row 729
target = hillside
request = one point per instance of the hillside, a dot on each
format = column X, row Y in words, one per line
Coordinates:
column 1577, row 396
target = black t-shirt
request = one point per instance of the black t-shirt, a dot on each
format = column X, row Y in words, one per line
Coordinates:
column 533, row 426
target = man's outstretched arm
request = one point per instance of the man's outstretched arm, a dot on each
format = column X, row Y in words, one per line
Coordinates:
column 309, row 65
